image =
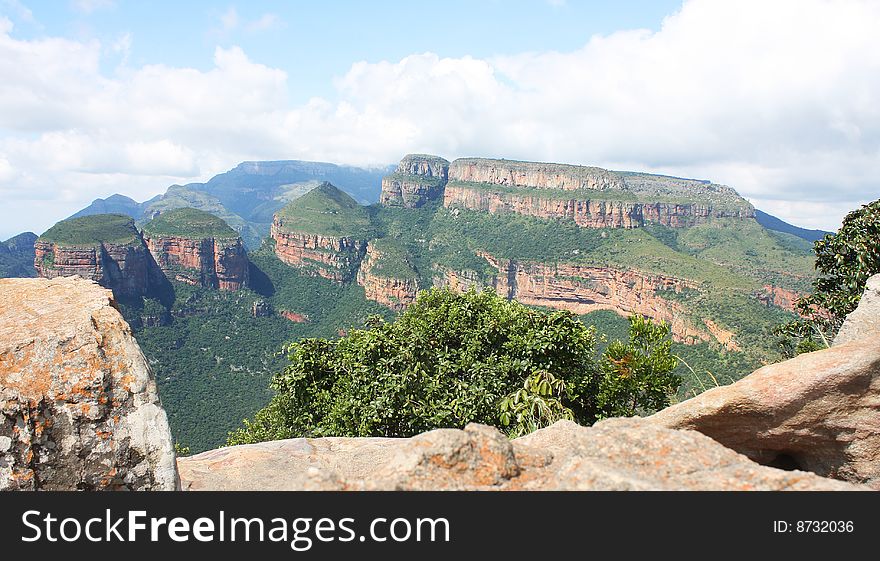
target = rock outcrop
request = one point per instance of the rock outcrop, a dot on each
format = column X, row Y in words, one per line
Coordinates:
column 818, row 412
column 581, row 207
column 211, row 262
column 419, row 178
column 779, row 297
column 396, row 292
column 864, row 321
column 198, row 248
column 582, row 289
column 78, row 403
column 124, row 268
column 618, row 454
column 334, row 258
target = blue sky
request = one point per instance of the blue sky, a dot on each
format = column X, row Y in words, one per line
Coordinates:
column 776, row 99
column 317, row 41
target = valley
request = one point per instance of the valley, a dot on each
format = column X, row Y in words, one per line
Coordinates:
column 216, row 278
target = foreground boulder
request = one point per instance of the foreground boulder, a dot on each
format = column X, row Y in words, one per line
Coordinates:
column 818, row 412
column 618, row 454
column 78, row 403
column 864, row 321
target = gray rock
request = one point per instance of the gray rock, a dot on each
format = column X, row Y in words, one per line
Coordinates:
column 78, row 403
column 864, row 321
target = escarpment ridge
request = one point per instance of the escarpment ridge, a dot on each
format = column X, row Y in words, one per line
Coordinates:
column 593, row 197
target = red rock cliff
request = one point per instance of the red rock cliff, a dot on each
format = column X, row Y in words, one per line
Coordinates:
column 418, row 179
column 533, row 174
column 325, row 256
column 396, row 293
column 582, row 289
column 584, row 212
column 211, row 262
column 123, row 268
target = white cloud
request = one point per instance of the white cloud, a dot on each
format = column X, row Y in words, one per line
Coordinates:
column 6, row 171
column 264, row 23
column 778, row 100
column 230, row 21
column 89, row 6
column 17, row 10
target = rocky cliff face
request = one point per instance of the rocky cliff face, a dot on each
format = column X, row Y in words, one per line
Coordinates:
column 125, row 268
column 334, row 258
column 534, row 175
column 396, row 293
column 585, row 212
column 418, row 179
column 211, row 262
column 779, row 297
column 79, row 408
column 582, row 289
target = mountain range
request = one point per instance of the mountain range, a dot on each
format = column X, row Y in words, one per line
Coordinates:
column 216, row 277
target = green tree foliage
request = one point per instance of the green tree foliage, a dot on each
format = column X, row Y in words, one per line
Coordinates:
column 845, row 261
column 451, row 359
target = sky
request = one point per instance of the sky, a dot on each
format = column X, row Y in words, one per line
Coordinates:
column 780, row 99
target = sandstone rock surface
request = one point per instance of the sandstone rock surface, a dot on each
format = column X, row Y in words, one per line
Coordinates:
column 78, row 403
column 418, row 179
column 125, row 268
column 211, row 262
column 582, row 289
column 392, row 291
column 333, row 258
column 618, row 454
column 819, row 412
column 864, row 321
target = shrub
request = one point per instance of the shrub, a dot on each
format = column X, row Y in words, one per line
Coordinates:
column 845, row 261
column 451, row 359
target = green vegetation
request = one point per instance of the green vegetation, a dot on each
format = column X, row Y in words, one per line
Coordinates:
column 17, row 256
column 845, row 261
column 88, row 231
column 326, row 211
column 189, row 223
column 393, row 260
column 213, row 360
column 401, row 377
column 451, row 359
column 744, row 247
column 429, row 181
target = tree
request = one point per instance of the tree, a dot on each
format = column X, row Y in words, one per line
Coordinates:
column 845, row 261
column 451, row 359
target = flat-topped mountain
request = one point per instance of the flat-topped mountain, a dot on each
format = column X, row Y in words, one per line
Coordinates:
column 197, row 248
column 590, row 196
column 324, row 232
column 107, row 248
